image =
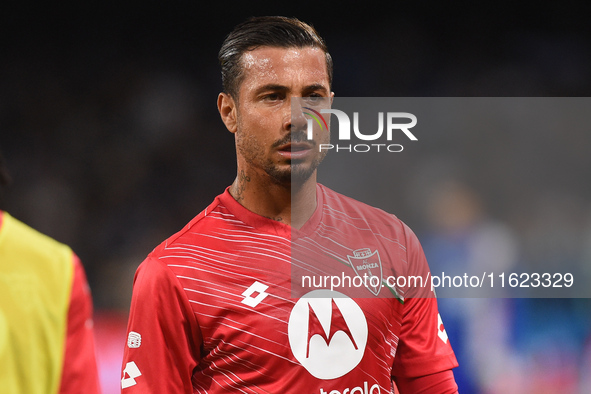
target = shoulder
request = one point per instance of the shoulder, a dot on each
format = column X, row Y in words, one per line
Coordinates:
column 26, row 250
column 349, row 210
column 155, row 284
column 338, row 201
column 178, row 253
column 209, row 219
column 24, row 239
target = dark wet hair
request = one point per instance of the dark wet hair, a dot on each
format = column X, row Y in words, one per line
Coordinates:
column 265, row 31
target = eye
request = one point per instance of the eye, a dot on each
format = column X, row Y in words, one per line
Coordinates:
column 272, row 97
column 313, row 99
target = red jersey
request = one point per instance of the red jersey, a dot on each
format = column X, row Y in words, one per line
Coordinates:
column 215, row 309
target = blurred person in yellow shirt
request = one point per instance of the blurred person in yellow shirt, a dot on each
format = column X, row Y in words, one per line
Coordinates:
column 46, row 327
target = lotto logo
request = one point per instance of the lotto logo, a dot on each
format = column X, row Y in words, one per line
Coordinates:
column 441, row 330
column 130, row 372
column 256, row 288
column 327, row 335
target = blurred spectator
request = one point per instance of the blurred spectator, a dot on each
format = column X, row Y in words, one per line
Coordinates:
column 463, row 239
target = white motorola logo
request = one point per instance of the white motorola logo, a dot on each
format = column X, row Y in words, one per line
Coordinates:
column 327, row 333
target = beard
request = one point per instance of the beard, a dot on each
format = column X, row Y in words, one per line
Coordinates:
column 297, row 172
column 300, row 170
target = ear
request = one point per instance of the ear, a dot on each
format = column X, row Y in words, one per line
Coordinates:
column 227, row 109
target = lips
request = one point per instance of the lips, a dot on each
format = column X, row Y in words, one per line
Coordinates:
column 295, row 150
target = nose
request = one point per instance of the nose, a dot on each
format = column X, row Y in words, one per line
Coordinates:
column 296, row 120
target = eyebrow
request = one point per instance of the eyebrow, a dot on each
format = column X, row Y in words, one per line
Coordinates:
column 316, row 87
column 272, row 87
column 277, row 87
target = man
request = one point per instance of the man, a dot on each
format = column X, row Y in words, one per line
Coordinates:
column 212, row 308
column 46, row 334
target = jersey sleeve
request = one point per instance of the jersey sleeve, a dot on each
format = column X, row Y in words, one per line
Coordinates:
column 437, row 383
column 423, row 347
column 163, row 343
column 79, row 371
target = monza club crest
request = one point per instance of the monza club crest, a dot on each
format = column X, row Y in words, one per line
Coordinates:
column 368, row 267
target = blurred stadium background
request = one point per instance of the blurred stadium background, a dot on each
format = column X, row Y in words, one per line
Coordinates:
column 112, row 138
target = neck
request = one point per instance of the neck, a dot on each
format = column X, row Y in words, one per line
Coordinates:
column 285, row 203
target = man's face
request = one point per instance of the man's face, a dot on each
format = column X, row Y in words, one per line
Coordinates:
column 267, row 140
